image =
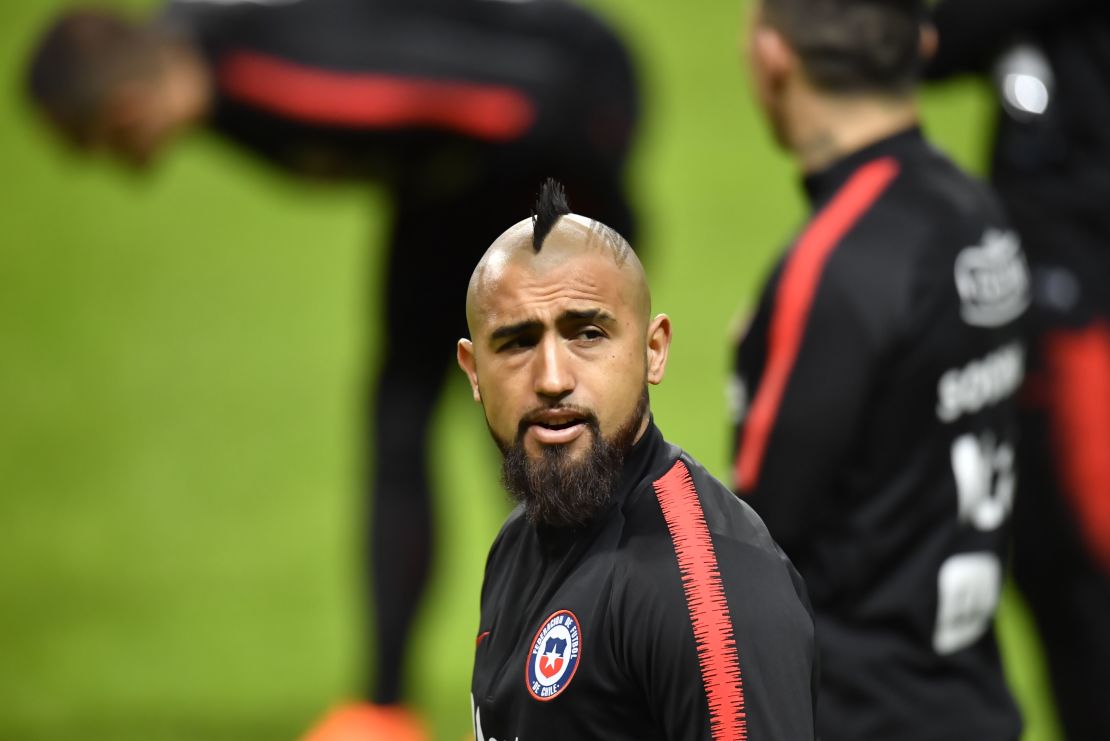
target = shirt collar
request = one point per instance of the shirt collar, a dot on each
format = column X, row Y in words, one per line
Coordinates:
column 823, row 183
column 638, row 462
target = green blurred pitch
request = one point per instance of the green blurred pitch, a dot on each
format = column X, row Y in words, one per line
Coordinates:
column 182, row 374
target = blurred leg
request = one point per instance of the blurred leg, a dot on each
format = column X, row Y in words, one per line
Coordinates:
column 401, row 525
column 420, row 334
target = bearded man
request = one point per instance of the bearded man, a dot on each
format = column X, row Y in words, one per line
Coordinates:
column 630, row 595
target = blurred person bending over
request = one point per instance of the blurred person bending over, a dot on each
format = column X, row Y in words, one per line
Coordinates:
column 457, row 107
column 875, row 384
column 1050, row 63
column 630, row 595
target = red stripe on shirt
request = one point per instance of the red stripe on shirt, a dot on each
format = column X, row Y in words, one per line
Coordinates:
column 705, row 599
column 349, row 99
column 1078, row 395
column 796, row 290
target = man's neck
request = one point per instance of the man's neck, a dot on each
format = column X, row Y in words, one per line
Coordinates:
column 826, row 128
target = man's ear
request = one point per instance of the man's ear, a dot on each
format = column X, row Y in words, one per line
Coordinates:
column 658, row 345
column 465, row 355
column 772, row 55
column 927, row 43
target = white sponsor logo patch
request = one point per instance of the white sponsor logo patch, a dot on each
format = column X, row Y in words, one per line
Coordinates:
column 968, row 587
column 992, row 279
column 981, row 382
column 985, row 480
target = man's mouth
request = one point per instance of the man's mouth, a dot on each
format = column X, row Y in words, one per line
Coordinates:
column 559, row 425
column 555, row 427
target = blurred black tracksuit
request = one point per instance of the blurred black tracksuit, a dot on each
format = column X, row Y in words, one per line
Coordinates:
column 875, row 409
column 460, row 108
column 1051, row 166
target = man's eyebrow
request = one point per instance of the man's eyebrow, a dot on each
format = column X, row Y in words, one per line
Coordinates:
column 589, row 315
column 512, row 330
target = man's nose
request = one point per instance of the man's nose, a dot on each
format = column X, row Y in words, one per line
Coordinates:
column 554, row 376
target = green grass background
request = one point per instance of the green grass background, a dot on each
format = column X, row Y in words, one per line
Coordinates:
column 182, row 363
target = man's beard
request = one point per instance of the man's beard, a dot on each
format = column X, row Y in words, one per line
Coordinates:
column 555, row 490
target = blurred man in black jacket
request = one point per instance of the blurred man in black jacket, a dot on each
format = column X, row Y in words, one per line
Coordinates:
column 876, row 382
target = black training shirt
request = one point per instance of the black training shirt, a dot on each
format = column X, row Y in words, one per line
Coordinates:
column 875, row 437
column 425, row 90
column 673, row 615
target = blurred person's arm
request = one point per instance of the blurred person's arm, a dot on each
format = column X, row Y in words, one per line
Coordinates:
column 971, row 33
column 1078, row 364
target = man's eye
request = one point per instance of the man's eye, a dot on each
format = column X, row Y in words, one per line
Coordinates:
column 589, row 333
column 517, row 343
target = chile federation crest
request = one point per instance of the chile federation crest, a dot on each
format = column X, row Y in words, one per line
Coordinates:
column 554, row 656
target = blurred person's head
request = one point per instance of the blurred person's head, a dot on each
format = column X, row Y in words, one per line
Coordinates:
column 562, row 347
column 834, row 75
column 110, row 83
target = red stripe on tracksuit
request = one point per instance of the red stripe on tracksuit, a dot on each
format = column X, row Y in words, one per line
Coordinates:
column 350, row 99
column 705, row 599
column 793, row 300
column 1078, row 401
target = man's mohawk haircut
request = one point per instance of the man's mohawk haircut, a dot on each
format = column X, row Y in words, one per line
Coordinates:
column 550, row 206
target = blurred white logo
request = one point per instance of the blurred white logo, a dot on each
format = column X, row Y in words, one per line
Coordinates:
column 992, row 280
column 1025, row 81
column 985, row 480
column 968, row 587
column 981, row 382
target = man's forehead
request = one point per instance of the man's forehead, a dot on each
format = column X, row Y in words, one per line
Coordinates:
column 579, row 260
column 527, row 287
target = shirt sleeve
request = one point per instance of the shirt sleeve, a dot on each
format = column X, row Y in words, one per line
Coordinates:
column 813, row 354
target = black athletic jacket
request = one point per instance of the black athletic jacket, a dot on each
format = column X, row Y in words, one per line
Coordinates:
column 875, row 391
column 1052, row 170
column 358, row 87
column 672, row 616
